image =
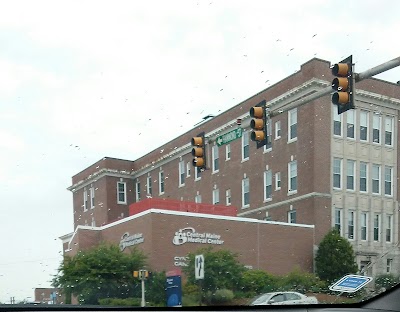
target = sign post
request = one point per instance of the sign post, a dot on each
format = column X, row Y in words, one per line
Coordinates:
column 199, row 272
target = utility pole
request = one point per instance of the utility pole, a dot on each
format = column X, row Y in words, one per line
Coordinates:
column 358, row 77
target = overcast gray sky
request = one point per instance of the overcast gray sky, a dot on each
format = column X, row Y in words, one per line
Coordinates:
column 80, row 80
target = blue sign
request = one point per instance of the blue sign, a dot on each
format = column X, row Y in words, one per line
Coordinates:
column 174, row 291
column 351, row 283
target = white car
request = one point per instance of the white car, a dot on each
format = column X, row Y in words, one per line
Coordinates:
column 284, row 297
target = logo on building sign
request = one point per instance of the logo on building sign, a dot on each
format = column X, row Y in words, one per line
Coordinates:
column 130, row 240
column 189, row 235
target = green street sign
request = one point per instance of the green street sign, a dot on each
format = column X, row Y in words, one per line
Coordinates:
column 229, row 137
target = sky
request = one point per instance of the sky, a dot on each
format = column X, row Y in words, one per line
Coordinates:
column 81, row 80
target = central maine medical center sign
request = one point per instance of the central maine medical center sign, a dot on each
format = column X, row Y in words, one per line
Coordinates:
column 189, row 235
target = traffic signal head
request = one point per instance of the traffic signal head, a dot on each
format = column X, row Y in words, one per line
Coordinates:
column 259, row 124
column 199, row 151
column 343, row 85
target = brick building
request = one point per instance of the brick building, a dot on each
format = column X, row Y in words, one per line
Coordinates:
column 320, row 168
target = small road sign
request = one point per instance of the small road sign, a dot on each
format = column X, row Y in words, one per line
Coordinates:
column 199, row 267
column 350, row 283
column 229, row 137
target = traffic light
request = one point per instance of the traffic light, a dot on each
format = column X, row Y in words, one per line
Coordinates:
column 199, row 151
column 343, row 84
column 259, row 124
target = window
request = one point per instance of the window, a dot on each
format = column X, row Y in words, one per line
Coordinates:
column 188, row 168
column 388, row 180
column 363, row 126
column 337, row 173
column 227, row 151
column 121, row 190
column 388, row 131
column 277, row 181
column 377, row 223
column 376, row 126
column 277, row 130
column 292, row 133
column 215, row 158
column 93, row 221
column 181, row 173
column 137, row 190
column 338, row 220
column 337, row 123
column 245, row 145
column 350, row 123
column 389, row 226
column 92, row 197
column 350, row 225
column 161, row 182
column 245, row 192
column 269, row 135
column 268, row 185
column 197, row 173
column 364, row 225
column 197, row 199
column 363, row 177
column 85, row 200
column 215, row 197
column 292, row 176
column 149, row 186
column 376, row 172
column 292, row 216
column 228, row 197
column 350, row 174
column 389, row 265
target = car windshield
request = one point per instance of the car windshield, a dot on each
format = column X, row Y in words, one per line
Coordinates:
column 198, row 153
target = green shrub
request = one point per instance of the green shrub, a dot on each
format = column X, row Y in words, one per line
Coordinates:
column 257, row 281
column 386, row 281
column 222, row 296
column 120, row 302
column 190, row 301
column 301, row 281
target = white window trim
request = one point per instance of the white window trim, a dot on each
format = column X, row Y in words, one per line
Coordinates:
column 391, row 228
column 354, row 225
column 340, row 219
column 188, row 169
column 181, row 170
column 243, row 181
column 118, row 201
column 289, row 124
column 265, row 186
column 341, row 174
column 277, row 137
column 148, row 179
column 367, row 140
column 290, row 212
column 380, row 129
column 196, row 199
column 215, row 194
column 85, row 195
column 391, row 131
column 137, row 190
column 391, row 181
column 366, row 225
column 291, row 192
column 228, row 197
column 277, row 174
column 213, row 149
column 354, row 175
column 196, row 175
column 379, row 179
column 341, row 123
column 366, row 177
column 245, row 133
column 91, row 197
column 227, row 152
column 379, row 227
column 159, row 182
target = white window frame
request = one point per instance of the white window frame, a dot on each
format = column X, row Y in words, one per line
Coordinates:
column 137, row 190
column 389, row 264
column 338, row 220
column 292, row 114
column 124, row 192
column 290, row 215
column 389, row 228
column 245, row 143
column 268, row 145
column 364, row 224
column 215, row 158
column 197, row 174
column 197, row 199
column 376, row 125
column 376, row 178
column 278, row 181
column 351, row 223
column 278, row 130
column 188, row 169
column 337, row 118
column 245, row 182
column 388, row 181
column 291, row 190
column 227, row 152
column 215, row 197
column 161, row 183
column 377, row 227
column 85, row 200
column 334, row 172
column 181, row 177
column 361, row 177
column 267, row 183
column 389, row 129
column 362, row 124
column 351, row 116
column 92, row 197
column 149, row 186
column 351, row 172
column 228, row 198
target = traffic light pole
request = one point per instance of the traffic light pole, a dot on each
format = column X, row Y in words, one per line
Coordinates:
column 358, row 77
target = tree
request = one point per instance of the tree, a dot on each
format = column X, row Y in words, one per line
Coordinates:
column 100, row 272
column 221, row 270
column 335, row 257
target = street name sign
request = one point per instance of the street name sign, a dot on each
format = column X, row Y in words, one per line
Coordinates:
column 229, row 137
column 350, row 283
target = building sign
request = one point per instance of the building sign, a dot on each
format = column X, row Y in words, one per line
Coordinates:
column 173, row 290
column 181, row 261
column 130, row 240
column 189, row 235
